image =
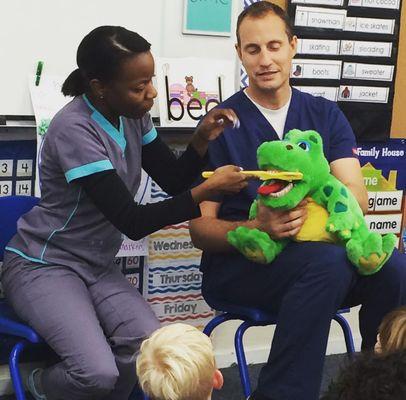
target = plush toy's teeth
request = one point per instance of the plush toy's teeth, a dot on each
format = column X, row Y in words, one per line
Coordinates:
column 281, row 193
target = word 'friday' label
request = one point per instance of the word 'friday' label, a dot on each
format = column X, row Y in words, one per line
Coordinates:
column 370, row 25
column 178, row 308
column 315, row 17
column 368, row 49
column 374, row 72
column 316, row 69
column 317, row 46
column 391, row 4
column 366, row 94
column 330, row 93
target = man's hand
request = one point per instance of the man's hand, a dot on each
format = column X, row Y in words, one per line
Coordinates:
column 281, row 224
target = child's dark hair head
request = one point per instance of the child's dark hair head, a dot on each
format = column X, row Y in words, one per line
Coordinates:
column 373, row 377
column 99, row 56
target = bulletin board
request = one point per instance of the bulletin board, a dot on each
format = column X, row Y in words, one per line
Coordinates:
column 398, row 125
column 348, row 52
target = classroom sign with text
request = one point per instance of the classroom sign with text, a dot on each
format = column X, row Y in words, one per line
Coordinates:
column 190, row 87
column 172, row 279
column 384, row 171
column 207, row 17
column 347, row 52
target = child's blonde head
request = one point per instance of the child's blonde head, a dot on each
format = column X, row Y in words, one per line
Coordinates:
column 176, row 363
column 392, row 331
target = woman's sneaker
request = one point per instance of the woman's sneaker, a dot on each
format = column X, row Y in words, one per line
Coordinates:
column 31, row 385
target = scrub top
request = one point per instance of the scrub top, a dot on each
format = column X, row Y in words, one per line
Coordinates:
column 239, row 146
column 66, row 228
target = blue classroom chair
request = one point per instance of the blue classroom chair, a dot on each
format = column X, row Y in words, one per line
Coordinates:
column 255, row 317
column 11, row 208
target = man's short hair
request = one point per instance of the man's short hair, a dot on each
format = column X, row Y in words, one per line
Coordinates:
column 259, row 10
column 373, row 377
column 176, row 363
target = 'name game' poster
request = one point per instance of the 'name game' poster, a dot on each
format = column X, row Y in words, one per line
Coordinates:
column 384, row 170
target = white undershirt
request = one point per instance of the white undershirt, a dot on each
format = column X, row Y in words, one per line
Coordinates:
column 277, row 118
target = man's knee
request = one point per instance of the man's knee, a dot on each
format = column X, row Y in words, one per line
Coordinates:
column 331, row 266
column 393, row 273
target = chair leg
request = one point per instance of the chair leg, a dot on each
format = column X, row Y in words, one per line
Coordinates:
column 15, row 370
column 242, row 362
column 216, row 321
column 349, row 341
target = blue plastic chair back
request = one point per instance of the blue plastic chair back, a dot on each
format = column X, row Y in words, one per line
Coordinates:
column 11, row 209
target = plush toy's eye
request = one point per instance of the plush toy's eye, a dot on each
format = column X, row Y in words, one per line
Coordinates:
column 304, row 145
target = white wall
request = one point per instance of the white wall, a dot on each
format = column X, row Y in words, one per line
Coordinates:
column 50, row 30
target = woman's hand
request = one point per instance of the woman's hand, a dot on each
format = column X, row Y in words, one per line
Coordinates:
column 225, row 180
column 211, row 126
column 214, row 122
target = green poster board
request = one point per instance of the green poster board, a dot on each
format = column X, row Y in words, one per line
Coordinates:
column 207, row 17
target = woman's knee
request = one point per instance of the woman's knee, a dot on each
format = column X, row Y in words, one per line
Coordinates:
column 95, row 382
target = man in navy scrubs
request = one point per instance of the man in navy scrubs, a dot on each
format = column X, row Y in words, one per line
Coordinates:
column 309, row 281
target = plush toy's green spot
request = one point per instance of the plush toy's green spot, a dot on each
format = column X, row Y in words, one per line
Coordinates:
column 340, row 207
column 327, row 190
column 333, row 213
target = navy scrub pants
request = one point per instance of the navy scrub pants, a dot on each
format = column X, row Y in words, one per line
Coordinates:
column 306, row 284
column 95, row 321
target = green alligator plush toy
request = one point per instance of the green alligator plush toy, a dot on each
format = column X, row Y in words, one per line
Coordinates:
column 333, row 213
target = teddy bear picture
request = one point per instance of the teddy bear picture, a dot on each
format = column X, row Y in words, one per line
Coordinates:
column 190, row 88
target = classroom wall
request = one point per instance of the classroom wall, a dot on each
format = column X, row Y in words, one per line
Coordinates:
column 172, row 43
column 51, row 30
